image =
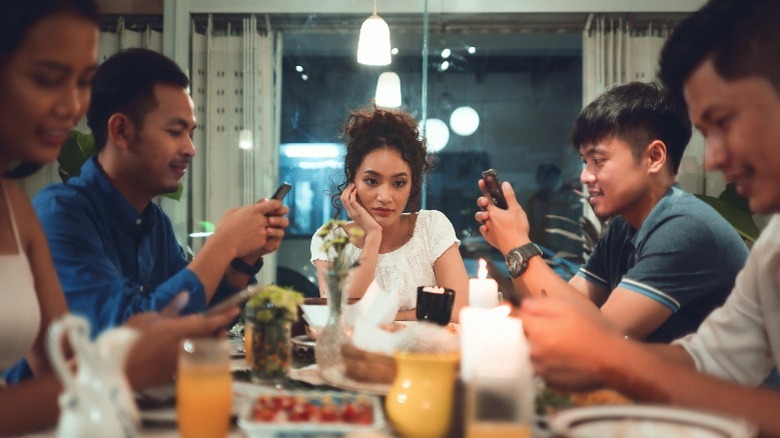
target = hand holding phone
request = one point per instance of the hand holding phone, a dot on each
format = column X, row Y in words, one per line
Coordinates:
column 281, row 191
column 493, row 187
column 235, row 299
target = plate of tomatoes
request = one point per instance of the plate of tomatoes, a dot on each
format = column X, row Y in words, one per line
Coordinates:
column 300, row 411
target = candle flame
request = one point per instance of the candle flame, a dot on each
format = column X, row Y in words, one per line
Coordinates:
column 482, row 272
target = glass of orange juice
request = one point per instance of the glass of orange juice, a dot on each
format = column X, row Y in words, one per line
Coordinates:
column 203, row 388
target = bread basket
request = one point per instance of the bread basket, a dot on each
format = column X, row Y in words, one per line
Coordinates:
column 367, row 366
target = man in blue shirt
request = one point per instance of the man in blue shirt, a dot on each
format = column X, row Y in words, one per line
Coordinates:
column 653, row 274
column 114, row 249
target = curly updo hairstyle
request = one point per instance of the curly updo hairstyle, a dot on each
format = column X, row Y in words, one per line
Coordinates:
column 372, row 128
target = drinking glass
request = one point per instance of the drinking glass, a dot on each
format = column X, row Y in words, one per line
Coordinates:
column 203, row 388
column 497, row 405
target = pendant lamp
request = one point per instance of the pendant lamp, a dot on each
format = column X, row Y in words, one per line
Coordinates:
column 464, row 120
column 374, row 42
column 388, row 90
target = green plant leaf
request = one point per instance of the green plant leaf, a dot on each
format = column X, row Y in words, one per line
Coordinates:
column 573, row 236
column 561, row 218
column 736, row 216
column 177, row 194
column 76, row 149
column 590, row 232
column 207, row 226
column 731, row 196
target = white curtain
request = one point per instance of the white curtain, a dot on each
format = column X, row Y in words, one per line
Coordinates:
column 236, row 87
column 615, row 53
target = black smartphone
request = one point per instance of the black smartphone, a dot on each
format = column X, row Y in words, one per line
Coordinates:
column 236, row 299
column 281, row 191
column 493, row 186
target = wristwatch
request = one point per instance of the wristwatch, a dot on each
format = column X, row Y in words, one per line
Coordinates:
column 245, row 268
column 517, row 259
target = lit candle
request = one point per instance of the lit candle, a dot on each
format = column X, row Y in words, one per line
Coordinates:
column 490, row 340
column 483, row 291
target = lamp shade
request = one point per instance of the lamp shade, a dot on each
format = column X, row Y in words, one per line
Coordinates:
column 374, row 43
column 464, row 120
column 388, row 90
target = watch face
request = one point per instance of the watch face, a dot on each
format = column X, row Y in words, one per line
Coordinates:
column 514, row 263
column 517, row 259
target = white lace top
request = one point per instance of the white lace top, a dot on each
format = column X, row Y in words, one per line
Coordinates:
column 20, row 314
column 400, row 272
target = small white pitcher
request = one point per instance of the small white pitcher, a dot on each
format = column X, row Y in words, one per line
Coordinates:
column 97, row 400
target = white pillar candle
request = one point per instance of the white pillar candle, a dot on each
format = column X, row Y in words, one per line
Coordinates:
column 490, row 340
column 483, row 291
column 494, row 350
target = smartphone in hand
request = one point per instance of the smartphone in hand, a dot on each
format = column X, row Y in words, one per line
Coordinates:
column 236, row 299
column 493, row 186
column 281, row 191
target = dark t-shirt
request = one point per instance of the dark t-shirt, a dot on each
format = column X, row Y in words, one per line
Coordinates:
column 685, row 256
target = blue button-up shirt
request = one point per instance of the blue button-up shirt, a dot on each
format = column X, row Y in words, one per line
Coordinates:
column 112, row 261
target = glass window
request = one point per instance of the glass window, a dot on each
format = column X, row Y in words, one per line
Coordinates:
column 525, row 88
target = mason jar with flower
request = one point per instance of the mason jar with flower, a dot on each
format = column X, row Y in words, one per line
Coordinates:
column 267, row 318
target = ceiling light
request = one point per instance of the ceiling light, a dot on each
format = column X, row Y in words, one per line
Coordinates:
column 444, row 66
column 388, row 90
column 464, row 120
column 245, row 139
column 394, row 51
column 299, row 68
column 446, row 53
column 324, row 164
column 374, row 41
column 472, row 50
column 310, row 150
column 436, row 133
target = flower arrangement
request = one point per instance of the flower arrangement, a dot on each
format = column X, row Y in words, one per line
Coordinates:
column 335, row 243
column 275, row 303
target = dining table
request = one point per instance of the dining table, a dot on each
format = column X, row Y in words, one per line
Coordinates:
column 304, row 375
column 161, row 423
column 165, row 429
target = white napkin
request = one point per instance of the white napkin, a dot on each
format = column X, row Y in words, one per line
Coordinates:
column 369, row 337
column 377, row 307
column 316, row 315
column 309, row 374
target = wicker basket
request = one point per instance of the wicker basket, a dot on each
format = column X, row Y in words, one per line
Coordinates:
column 367, row 366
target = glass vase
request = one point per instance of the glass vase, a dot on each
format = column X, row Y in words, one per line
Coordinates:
column 327, row 351
column 270, row 355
